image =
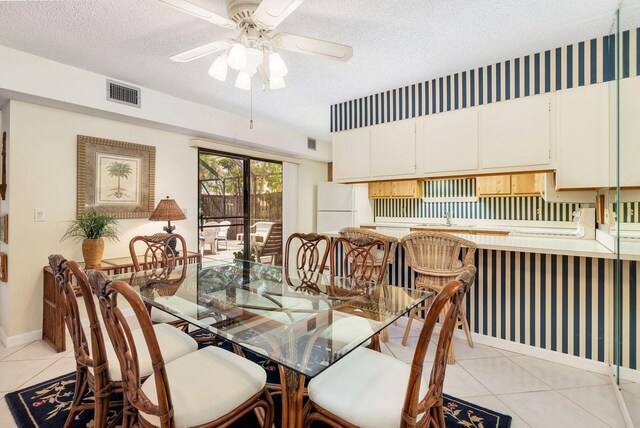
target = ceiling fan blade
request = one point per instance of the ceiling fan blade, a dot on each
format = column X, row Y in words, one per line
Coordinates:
column 201, row 51
column 270, row 13
column 198, row 12
column 315, row 47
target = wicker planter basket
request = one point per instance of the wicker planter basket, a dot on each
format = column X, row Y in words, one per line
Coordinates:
column 92, row 251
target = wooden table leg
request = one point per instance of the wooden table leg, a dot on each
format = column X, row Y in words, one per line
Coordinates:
column 292, row 398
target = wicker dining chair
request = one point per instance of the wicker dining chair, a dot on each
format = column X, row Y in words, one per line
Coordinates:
column 380, row 268
column 210, row 387
column 437, row 258
column 157, row 251
column 310, row 259
column 389, row 392
column 360, row 261
column 97, row 368
column 154, row 252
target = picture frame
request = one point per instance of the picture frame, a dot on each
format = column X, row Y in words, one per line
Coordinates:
column 4, row 277
column 4, row 228
column 115, row 177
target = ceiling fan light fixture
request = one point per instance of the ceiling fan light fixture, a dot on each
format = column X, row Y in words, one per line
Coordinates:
column 277, row 67
column 218, row 69
column 243, row 81
column 237, row 57
column 276, row 82
column 254, row 59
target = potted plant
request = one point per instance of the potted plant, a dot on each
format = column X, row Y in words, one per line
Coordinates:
column 92, row 228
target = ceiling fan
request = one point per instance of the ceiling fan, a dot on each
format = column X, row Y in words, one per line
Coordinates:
column 254, row 49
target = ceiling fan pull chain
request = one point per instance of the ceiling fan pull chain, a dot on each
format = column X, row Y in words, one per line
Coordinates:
column 251, row 107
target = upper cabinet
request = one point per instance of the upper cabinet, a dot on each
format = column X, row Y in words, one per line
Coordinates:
column 583, row 137
column 352, row 155
column 395, row 189
column 449, row 141
column 393, row 149
column 629, row 133
column 516, row 133
column 529, row 184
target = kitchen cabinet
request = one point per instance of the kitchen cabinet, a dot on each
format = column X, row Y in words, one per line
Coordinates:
column 583, row 137
column 527, row 184
column 395, row 189
column 516, row 133
column 510, row 185
column 352, row 155
column 450, row 141
column 493, row 185
column 629, row 134
column 393, row 149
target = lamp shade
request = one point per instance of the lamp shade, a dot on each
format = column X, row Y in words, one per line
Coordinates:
column 237, row 58
column 243, row 81
column 218, row 69
column 167, row 210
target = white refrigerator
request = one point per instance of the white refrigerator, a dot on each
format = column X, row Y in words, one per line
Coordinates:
column 342, row 205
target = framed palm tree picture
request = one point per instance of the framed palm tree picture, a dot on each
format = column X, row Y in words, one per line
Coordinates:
column 115, row 177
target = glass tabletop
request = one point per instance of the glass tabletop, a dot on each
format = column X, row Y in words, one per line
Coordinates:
column 302, row 320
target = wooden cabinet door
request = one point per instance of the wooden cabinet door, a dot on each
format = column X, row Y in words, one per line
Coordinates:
column 583, row 137
column 494, row 185
column 393, row 149
column 516, row 133
column 450, row 141
column 629, row 134
column 527, row 184
column 351, row 155
column 406, row 189
column 380, row 189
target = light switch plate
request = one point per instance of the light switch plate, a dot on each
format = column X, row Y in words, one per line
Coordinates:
column 40, row 214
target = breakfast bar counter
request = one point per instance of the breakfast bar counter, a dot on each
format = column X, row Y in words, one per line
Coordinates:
column 553, row 294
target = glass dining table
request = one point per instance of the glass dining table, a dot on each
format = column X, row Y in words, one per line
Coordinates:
column 303, row 321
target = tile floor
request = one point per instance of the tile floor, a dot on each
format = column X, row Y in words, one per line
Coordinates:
column 534, row 392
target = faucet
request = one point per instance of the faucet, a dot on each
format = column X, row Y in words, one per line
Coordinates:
column 447, row 215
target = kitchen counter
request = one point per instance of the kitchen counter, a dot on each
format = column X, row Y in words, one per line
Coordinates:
column 529, row 244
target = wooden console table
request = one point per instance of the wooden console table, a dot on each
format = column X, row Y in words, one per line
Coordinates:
column 53, row 328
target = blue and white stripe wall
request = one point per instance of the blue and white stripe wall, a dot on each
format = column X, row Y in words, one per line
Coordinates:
column 553, row 302
column 579, row 64
column 498, row 208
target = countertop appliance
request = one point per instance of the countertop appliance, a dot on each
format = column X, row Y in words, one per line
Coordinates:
column 338, row 206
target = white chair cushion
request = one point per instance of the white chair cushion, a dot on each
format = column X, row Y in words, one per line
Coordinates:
column 177, row 304
column 173, row 344
column 345, row 331
column 365, row 388
column 206, row 385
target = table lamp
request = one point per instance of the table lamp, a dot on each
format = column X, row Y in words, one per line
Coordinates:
column 168, row 210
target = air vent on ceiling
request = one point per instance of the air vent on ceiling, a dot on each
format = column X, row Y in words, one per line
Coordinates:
column 311, row 143
column 123, row 94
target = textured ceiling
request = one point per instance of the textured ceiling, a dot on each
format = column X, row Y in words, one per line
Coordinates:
column 395, row 42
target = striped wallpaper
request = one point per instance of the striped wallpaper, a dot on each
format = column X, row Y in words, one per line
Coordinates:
column 629, row 212
column 498, row 208
column 579, row 64
column 559, row 303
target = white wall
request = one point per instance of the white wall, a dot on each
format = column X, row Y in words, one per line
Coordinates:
column 310, row 173
column 4, row 209
column 42, row 174
column 35, row 79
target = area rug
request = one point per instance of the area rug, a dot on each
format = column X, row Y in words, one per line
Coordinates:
column 47, row 404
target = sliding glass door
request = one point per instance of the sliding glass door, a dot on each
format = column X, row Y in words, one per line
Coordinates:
column 240, row 207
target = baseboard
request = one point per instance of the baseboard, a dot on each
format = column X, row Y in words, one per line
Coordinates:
column 630, row 374
column 24, row 338
column 20, row 339
column 621, row 403
column 543, row 354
